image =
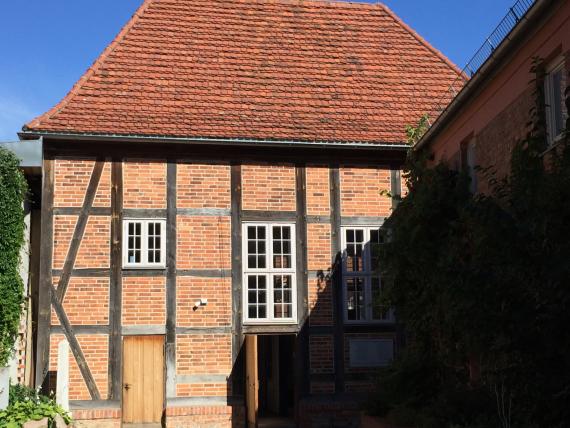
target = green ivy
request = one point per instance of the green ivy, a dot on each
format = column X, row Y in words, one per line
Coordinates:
column 482, row 286
column 13, row 189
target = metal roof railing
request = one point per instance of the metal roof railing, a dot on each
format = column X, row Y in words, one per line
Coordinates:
column 515, row 14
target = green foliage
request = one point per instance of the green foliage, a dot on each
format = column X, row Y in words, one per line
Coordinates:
column 415, row 133
column 13, row 190
column 481, row 285
column 27, row 405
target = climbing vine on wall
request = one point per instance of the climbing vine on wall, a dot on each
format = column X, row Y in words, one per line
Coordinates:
column 13, row 189
column 481, row 283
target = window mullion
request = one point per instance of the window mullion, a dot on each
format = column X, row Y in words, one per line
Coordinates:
column 144, row 243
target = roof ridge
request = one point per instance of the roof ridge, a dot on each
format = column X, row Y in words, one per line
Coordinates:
column 420, row 39
column 34, row 123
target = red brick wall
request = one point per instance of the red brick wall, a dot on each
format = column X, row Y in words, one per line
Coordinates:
column 144, row 301
column 362, row 191
column 94, row 249
column 86, row 301
column 203, row 242
column 72, row 178
column 318, row 190
column 203, row 186
column 218, row 310
column 208, row 416
column 320, row 301
column 144, row 184
column 96, row 351
column 203, row 354
column 268, row 187
column 201, row 389
column 321, row 354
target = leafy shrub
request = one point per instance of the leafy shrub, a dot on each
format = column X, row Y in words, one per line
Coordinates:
column 480, row 283
column 27, row 405
column 13, row 190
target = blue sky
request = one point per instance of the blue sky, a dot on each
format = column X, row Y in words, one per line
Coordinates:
column 46, row 45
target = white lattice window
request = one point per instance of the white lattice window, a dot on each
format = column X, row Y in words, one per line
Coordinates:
column 269, row 286
column 362, row 283
column 554, row 86
column 144, row 243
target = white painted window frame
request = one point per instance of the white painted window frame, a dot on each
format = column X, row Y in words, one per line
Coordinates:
column 555, row 66
column 367, row 274
column 269, row 271
column 144, row 263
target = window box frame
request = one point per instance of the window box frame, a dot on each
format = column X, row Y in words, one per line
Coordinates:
column 367, row 274
column 144, row 264
column 269, row 271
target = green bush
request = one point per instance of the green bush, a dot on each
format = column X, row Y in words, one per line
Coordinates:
column 481, row 285
column 27, row 405
column 13, row 190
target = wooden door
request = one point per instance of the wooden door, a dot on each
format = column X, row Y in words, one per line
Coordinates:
column 143, row 379
column 252, row 380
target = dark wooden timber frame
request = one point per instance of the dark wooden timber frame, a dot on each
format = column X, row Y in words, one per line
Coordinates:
column 297, row 157
column 396, row 186
column 79, row 229
column 45, row 280
column 237, row 330
column 170, row 357
column 336, row 249
column 116, row 282
column 302, row 357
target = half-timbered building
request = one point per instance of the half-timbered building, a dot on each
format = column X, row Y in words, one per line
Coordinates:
column 212, row 192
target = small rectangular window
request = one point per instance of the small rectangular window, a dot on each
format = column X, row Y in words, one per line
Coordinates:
column 269, row 273
column 144, row 243
column 361, row 279
column 554, row 87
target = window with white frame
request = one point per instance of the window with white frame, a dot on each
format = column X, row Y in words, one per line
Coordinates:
column 269, row 273
column 144, row 243
column 362, row 282
column 554, row 86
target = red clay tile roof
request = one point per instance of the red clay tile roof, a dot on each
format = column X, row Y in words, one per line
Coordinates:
column 258, row 69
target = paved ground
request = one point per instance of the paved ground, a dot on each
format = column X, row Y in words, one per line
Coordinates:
column 274, row 422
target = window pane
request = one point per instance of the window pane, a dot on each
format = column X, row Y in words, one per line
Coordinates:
column 257, row 296
column 256, row 252
column 379, row 311
column 354, row 250
column 251, row 232
column 281, row 247
column 282, row 296
column 376, row 240
column 355, row 299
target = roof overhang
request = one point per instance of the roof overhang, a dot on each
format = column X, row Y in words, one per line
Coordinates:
column 246, row 142
column 497, row 59
column 30, row 153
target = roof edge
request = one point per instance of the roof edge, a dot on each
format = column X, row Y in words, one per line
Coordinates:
column 211, row 140
column 493, row 64
column 34, row 123
column 420, row 39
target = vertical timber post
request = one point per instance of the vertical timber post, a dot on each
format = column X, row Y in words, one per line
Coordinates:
column 116, row 285
column 338, row 304
column 45, row 277
column 237, row 334
column 170, row 351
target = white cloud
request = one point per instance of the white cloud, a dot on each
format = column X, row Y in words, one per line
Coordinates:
column 13, row 115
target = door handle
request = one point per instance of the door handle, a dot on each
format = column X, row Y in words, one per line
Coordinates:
column 127, row 386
